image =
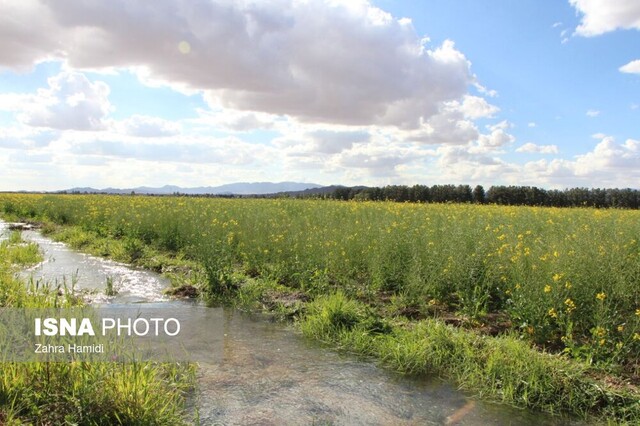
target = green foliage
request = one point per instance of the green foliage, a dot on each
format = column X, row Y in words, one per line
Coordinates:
column 109, row 289
column 331, row 314
column 564, row 279
column 79, row 392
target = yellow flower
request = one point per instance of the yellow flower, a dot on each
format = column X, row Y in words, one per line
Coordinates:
column 601, row 296
column 567, row 285
column 636, row 336
column 552, row 313
column 621, row 327
column 557, row 277
column 600, row 331
column 571, row 306
column 638, row 312
column 547, row 288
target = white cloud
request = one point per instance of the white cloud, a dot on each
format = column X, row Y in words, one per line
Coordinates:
column 608, row 156
column 531, row 124
column 331, row 142
column 145, row 126
column 447, row 128
column 609, row 164
column 538, row 149
column 487, row 92
column 632, row 67
column 601, row 16
column 496, row 139
column 189, row 150
column 319, row 60
column 235, row 120
column 474, row 107
column 453, row 125
column 378, row 159
column 318, row 143
column 593, row 113
column 71, row 102
column 27, row 34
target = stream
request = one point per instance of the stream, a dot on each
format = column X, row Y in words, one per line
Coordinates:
column 270, row 374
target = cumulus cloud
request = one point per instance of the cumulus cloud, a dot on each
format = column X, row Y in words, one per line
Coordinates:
column 632, row 67
column 318, row 61
column 453, row 124
column 602, row 16
column 145, row 126
column 538, row 149
column 189, row 150
column 612, row 157
column 593, row 113
column 71, row 102
column 474, row 107
column 235, row 120
column 332, row 142
column 320, row 144
column 496, row 138
column 609, row 164
column 28, row 34
column 377, row 159
column 453, row 156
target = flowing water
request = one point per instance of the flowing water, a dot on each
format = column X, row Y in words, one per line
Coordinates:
column 271, row 375
column 4, row 228
column 90, row 273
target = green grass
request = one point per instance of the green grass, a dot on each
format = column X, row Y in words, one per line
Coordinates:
column 557, row 286
column 504, row 369
column 83, row 393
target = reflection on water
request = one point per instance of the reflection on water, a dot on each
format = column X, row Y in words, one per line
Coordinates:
column 4, row 231
column 270, row 375
column 91, row 273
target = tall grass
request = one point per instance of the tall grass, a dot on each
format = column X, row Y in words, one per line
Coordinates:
column 505, row 368
column 48, row 393
column 566, row 278
column 563, row 281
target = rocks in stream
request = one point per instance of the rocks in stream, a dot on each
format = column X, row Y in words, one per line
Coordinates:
column 22, row 226
column 186, row 291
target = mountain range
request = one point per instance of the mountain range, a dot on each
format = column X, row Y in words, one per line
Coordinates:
column 238, row 188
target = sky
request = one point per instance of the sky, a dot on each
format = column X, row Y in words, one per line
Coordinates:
column 127, row 93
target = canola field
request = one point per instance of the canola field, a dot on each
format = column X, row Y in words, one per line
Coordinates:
column 565, row 280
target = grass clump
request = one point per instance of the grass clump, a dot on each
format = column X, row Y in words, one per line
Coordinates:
column 504, row 369
column 83, row 393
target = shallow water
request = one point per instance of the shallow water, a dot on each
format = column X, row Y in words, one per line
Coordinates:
column 4, row 231
column 62, row 265
column 271, row 375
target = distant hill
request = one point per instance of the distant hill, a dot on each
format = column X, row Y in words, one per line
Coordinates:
column 239, row 188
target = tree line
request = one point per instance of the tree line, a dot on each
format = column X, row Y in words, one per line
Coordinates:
column 504, row 195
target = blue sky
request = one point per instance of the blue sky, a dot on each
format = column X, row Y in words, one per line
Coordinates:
column 124, row 93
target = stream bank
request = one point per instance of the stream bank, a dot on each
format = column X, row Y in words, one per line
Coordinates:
column 271, row 375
